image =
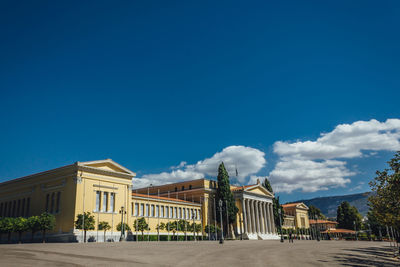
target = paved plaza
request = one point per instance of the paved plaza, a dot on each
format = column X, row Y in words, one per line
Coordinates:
column 232, row 253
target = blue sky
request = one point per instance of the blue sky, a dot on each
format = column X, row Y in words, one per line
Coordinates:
column 152, row 84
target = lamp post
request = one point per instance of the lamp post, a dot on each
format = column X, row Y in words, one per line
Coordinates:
column 221, row 240
column 194, row 226
column 355, row 229
column 280, row 224
column 317, row 230
column 122, row 212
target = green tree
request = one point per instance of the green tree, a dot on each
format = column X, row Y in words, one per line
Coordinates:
column 172, row 226
column 183, row 226
column 267, row 185
column 85, row 222
column 385, row 200
column 47, row 222
column 20, row 225
column 141, row 225
column 314, row 211
column 104, row 226
column 7, row 226
column 159, row 227
column 211, row 229
column 195, row 228
column 224, row 193
column 33, row 225
column 348, row 216
column 126, row 227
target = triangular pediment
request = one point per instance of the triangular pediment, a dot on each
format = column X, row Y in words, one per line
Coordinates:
column 107, row 165
column 258, row 189
column 302, row 206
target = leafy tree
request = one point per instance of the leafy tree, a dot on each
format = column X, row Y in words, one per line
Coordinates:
column 224, row 193
column 183, row 226
column 276, row 207
column 267, row 185
column 314, row 211
column 195, row 228
column 33, row 225
column 348, row 216
column 85, row 222
column 141, row 225
column 159, row 227
column 126, row 227
column 47, row 222
column 104, row 226
column 172, row 226
column 385, row 202
column 7, row 226
column 20, row 225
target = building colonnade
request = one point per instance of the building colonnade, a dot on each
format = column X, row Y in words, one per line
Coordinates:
column 258, row 217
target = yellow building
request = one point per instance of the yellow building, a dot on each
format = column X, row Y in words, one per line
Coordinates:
column 296, row 216
column 104, row 188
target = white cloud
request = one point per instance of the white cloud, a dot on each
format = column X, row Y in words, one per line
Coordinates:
column 247, row 160
column 314, row 165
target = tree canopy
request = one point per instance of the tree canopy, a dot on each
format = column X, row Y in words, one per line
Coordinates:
column 224, row 193
column 313, row 212
column 385, row 202
column 267, row 185
column 348, row 217
column 85, row 222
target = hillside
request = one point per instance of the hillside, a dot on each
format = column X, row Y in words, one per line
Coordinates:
column 328, row 205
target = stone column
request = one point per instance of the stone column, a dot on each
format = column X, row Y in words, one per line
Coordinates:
column 258, row 216
column 272, row 218
column 264, row 230
column 268, row 217
column 253, row 217
column 266, row 223
column 244, row 216
column 248, row 213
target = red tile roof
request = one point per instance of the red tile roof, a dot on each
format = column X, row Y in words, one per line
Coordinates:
column 238, row 188
column 339, row 231
column 290, row 205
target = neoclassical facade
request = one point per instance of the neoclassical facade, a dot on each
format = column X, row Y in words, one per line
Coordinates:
column 104, row 188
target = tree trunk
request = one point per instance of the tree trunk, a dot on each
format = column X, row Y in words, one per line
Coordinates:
column 142, row 236
column 19, row 237
column 33, row 234
column 44, row 236
column 84, row 236
column 104, row 236
column 9, row 237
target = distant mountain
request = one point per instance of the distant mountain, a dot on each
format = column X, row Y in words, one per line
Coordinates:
column 328, row 205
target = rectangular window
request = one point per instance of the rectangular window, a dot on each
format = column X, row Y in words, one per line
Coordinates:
column 136, row 209
column 132, row 210
column 97, row 201
column 180, row 213
column 14, row 206
column 157, row 211
column 28, row 207
column 141, row 209
column 184, row 213
column 52, row 203
column 58, row 202
column 105, row 201
column 162, row 212
column 171, row 212
column 175, row 212
column 18, row 206
column 1, row 209
column 47, row 203
column 147, row 210
column 152, row 211
column 112, row 202
column 9, row 208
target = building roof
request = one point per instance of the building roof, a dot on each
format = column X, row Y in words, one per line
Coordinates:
column 321, row 221
column 162, row 198
column 239, row 188
column 291, row 205
column 339, row 231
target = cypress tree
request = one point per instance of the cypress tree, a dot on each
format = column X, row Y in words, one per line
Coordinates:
column 267, row 185
column 225, row 194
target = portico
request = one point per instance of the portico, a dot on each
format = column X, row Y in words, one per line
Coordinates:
column 256, row 219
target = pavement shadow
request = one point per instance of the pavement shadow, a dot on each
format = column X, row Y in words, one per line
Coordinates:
column 369, row 256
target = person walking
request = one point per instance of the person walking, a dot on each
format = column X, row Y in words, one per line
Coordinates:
column 290, row 237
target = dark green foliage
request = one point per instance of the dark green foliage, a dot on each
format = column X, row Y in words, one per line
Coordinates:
column 385, row 202
column 141, row 225
column 126, row 227
column 210, row 229
column 224, row 193
column 277, row 206
column 33, row 225
column 47, row 222
column 85, row 222
column 348, row 217
column 7, row 225
column 267, row 185
column 104, row 226
column 313, row 212
column 20, row 225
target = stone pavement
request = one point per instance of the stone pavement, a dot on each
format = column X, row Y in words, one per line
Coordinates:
column 206, row 253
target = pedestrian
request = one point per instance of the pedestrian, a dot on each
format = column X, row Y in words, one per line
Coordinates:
column 290, row 237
